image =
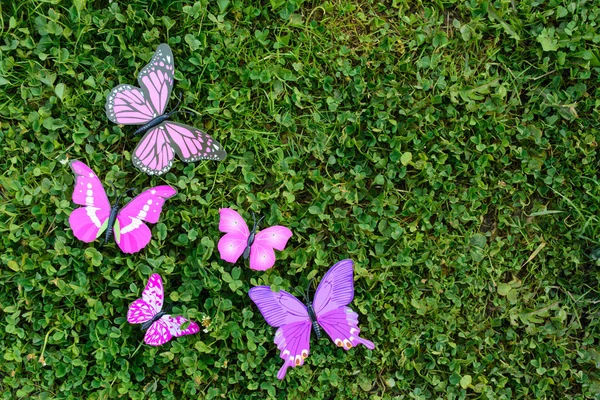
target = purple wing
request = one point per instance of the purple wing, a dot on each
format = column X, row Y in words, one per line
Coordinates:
column 88, row 222
column 336, row 288
column 131, row 234
column 341, row 325
column 291, row 316
column 333, row 294
column 127, row 105
column 150, row 304
column 156, row 78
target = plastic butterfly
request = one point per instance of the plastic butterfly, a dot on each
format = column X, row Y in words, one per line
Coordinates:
column 147, row 311
column 258, row 245
column 131, row 233
column 328, row 311
column 146, row 105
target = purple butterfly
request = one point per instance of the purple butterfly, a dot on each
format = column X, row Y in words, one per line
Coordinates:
column 148, row 312
column 89, row 222
column 328, row 311
column 146, row 105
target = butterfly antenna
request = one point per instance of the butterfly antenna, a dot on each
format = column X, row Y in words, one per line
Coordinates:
column 302, row 294
column 308, row 288
column 123, row 194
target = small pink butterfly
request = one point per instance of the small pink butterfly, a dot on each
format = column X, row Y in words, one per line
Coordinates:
column 131, row 233
column 147, row 311
column 146, row 105
column 258, row 245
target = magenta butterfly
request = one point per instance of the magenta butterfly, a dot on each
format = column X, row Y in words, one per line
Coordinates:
column 159, row 326
column 328, row 311
column 258, row 245
column 131, row 233
column 146, row 105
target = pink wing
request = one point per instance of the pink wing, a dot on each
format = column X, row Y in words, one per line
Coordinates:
column 262, row 256
column 166, row 328
column 158, row 333
column 150, row 304
column 88, row 222
column 131, row 234
column 285, row 311
column 154, row 154
column 192, row 144
column 130, row 105
column 232, row 245
column 335, row 291
column 175, row 323
column 156, row 78
column 127, row 105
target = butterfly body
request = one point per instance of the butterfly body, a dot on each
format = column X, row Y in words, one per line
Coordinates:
column 328, row 311
column 146, row 106
column 148, row 324
column 98, row 216
column 239, row 241
column 313, row 320
column 155, row 122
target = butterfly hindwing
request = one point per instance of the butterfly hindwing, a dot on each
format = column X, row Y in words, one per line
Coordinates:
column 131, row 233
column 262, row 256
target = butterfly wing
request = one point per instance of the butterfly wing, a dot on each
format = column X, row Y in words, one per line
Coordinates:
column 262, row 256
column 90, row 221
column 150, row 304
column 154, row 154
column 192, row 144
column 158, row 333
column 131, row 234
column 174, row 324
column 127, row 105
column 232, row 245
column 130, row 105
column 333, row 294
column 286, row 312
column 156, row 78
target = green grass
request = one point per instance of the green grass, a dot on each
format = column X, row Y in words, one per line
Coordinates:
column 450, row 148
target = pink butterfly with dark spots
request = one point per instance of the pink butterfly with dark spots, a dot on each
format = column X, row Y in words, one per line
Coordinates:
column 159, row 326
column 239, row 240
column 97, row 215
column 328, row 311
column 146, row 105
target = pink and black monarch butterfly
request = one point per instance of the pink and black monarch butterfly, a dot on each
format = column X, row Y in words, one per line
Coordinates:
column 146, row 106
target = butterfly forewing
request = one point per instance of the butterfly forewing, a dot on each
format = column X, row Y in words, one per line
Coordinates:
column 127, row 105
column 156, row 78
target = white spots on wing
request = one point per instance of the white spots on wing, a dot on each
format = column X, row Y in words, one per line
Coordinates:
column 149, row 202
column 91, row 212
column 91, row 174
column 153, row 191
column 89, row 201
column 89, row 193
column 353, row 331
column 135, row 223
column 146, row 207
column 168, row 59
column 142, row 214
column 89, row 185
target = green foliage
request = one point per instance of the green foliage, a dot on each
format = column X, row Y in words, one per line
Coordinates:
column 450, row 148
